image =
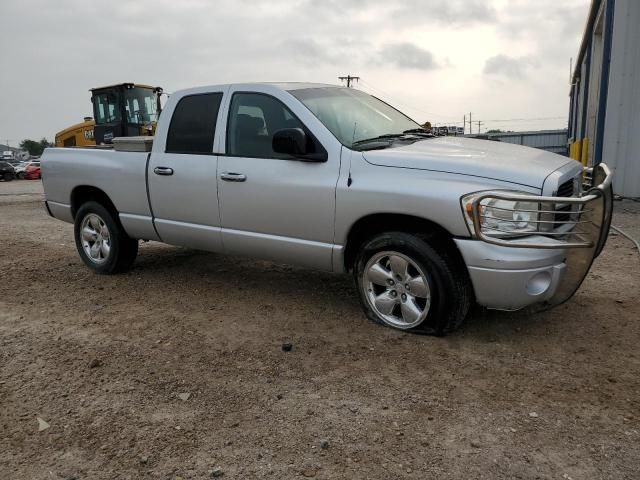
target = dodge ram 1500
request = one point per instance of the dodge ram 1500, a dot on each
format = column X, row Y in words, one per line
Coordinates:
column 331, row 178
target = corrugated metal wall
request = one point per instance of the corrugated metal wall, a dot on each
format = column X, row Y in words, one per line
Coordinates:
column 607, row 87
column 622, row 131
column 550, row 140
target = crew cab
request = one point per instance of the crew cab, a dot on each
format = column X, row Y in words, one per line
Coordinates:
column 331, row 178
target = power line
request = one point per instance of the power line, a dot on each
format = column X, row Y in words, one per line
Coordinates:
column 435, row 116
column 527, row 119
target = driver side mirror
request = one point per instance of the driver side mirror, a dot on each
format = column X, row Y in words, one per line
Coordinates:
column 291, row 141
column 294, row 141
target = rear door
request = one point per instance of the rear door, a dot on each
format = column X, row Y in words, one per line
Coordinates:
column 182, row 173
column 271, row 206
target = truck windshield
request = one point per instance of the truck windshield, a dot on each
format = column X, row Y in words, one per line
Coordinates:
column 353, row 116
column 141, row 106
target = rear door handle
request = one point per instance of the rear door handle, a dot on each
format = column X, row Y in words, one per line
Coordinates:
column 233, row 177
column 163, row 171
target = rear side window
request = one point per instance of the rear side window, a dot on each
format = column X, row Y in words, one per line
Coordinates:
column 193, row 124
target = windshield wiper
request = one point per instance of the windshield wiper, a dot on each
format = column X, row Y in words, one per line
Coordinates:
column 386, row 136
column 416, row 131
column 420, row 132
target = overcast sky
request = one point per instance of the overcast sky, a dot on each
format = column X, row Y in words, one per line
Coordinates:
column 433, row 59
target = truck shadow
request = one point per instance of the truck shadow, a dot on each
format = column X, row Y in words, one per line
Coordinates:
column 192, row 270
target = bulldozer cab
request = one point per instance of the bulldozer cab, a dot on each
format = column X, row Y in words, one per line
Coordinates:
column 124, row 110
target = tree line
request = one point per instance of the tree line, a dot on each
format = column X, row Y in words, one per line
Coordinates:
column 35, row 147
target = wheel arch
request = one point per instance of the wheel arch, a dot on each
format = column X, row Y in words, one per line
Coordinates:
column 373, row 224
column 86, row 193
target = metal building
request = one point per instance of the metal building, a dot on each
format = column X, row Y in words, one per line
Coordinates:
column 550, row 140
column 604, row 115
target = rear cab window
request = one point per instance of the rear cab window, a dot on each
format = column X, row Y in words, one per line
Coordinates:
column 193, row 124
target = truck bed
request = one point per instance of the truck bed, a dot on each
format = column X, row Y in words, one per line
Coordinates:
column 120, row 175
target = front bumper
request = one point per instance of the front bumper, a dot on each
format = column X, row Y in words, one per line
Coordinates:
column 547, row 269
column 506, row 278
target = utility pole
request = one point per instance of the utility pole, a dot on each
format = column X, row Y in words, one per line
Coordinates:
column 470, row 125
column 464, row 125
column 479, row 125
column 349, row 79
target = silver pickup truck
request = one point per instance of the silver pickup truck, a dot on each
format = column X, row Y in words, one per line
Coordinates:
column 334, row 179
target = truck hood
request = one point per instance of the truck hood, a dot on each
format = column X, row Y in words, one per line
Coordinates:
column 479, row 158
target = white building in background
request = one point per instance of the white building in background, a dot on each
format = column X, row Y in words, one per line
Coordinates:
column 604, row 119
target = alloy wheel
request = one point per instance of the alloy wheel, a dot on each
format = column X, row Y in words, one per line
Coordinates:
column 95, row 238
column 397, row 289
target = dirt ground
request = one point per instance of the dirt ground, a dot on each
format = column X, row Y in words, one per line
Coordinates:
column 176, row 370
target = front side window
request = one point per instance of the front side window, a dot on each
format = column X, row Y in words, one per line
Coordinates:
column 193, row 124
column 353, row 116
column 253, row 120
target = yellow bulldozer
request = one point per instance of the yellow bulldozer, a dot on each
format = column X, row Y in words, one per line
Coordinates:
column 122, row 110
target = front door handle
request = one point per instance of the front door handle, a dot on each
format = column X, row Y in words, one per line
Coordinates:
column 163, row 171
column 233, row 177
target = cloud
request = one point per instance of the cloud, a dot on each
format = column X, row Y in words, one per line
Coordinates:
column 407, row 55
column 510, row 67
column 77, row 45
column 519, row 26
column 308, row 50
column 333, row 51
column 449, row 12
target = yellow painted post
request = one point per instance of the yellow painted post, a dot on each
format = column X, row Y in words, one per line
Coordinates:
column 577, row 150
column 584, row 158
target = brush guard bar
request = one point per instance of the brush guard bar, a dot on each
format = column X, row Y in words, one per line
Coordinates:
column 581, row 232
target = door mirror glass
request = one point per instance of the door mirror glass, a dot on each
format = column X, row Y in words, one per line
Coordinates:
column 290, row 141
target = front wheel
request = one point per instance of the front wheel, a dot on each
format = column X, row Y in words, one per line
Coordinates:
column 101, row 241
column 409, row 283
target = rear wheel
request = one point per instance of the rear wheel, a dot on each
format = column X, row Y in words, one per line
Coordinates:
column 101, row 241
column 405, row 282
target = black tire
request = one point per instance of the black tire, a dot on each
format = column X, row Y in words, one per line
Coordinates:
column 123, row 249
column 451, row 293
column 8, row 177
column 21, row 175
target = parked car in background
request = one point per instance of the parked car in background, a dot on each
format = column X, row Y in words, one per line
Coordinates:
column 32, row 171
column 7, row 173
column 20, row 168
column 7, row 156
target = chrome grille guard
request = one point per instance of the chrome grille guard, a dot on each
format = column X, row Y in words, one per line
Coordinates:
column 592, row 216
column 587, row 226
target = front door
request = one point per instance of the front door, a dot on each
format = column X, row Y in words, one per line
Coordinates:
column 182, row 175
column 271, row 206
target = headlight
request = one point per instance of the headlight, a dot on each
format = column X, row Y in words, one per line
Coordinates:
column 503, row 218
